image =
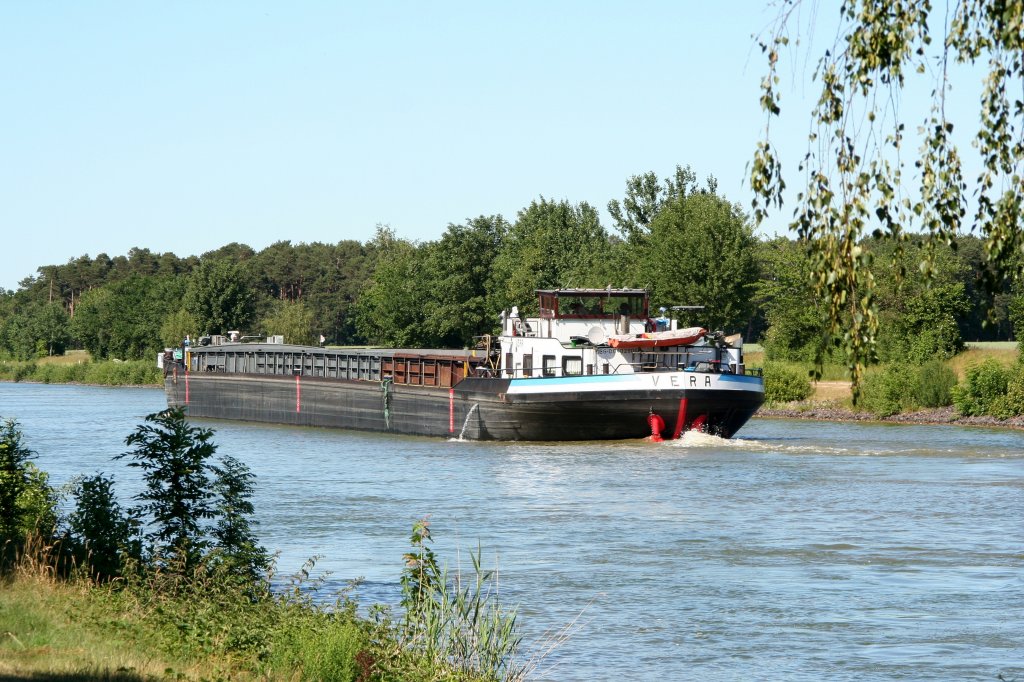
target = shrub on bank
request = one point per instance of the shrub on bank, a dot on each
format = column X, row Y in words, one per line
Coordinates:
column 102, row 373
column 130, row 373
column 28, row 504
column 24, row 371
column 888, row 390
column 934, row 384
column 58, row 374
column 898, row 387
column 1011, row 404
column 983, row 387
column 784, row 384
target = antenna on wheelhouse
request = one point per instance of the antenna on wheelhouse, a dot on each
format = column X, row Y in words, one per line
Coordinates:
column 686, row 308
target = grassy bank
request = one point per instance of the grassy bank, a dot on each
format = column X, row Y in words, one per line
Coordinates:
column 75, row 630
column 77, row 368
column 54, row 631
column 178, row 586
column 984, row 380
column 209, row 626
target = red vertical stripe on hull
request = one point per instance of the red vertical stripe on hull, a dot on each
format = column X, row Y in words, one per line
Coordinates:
column 680, row 419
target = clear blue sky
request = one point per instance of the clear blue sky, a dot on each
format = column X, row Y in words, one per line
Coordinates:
column 183, row 126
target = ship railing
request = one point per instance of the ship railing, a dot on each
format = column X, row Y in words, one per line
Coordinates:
column 641, row 368
column 700, row 367
column 533, row 373
column 401, row 368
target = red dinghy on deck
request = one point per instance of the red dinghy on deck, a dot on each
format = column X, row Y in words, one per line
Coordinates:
column 674, row 337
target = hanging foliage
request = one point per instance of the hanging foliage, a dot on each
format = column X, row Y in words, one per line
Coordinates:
column 858, row 179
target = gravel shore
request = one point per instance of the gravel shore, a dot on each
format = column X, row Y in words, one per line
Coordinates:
column 940, row 415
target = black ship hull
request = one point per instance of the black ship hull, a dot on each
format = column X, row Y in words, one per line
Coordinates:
column 538, row 409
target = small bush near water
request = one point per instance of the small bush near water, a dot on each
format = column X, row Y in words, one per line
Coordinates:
column 991, row 389
column 784, row 384
column 934, row 384
column 983, row 386
column 888, row 390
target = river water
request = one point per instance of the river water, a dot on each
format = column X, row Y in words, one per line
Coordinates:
column 796, row 551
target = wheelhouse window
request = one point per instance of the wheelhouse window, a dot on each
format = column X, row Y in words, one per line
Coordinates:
column 548, row 305
column 633, row 307
column 593, row 303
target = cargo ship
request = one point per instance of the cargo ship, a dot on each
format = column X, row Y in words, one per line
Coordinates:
column 591, row 365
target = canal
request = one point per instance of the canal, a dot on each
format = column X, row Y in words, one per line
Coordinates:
column 796, row 551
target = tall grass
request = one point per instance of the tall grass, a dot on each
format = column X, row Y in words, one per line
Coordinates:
column 458, row 621
column 829, row 372
column 977, row 353
column 103, row 372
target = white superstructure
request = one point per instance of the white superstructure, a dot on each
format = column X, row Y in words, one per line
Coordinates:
column 570, row 337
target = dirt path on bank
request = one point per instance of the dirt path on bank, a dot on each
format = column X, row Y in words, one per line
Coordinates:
column 830, row 390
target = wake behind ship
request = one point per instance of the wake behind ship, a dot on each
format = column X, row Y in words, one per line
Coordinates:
column 593, row 365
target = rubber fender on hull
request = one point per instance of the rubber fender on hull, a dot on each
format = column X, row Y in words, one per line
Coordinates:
column 657, row 425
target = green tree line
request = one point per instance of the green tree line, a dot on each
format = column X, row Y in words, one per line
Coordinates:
column 677, row 237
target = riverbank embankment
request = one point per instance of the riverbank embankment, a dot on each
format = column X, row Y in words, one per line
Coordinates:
column 832, row 412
